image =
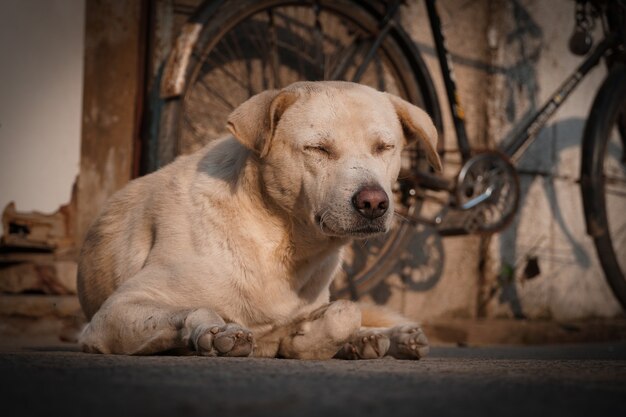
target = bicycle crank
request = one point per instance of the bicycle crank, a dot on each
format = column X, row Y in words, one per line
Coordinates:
column 487, row 192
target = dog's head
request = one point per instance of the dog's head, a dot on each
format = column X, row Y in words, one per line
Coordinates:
column 329, row 152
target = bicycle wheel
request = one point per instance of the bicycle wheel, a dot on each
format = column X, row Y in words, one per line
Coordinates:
column 253, row 45
column 603, row 178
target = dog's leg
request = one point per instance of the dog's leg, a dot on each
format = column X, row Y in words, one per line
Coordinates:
column 206, row 333
column 142, row 328
column 137, row 323
column 385, row 333
column 321, row 334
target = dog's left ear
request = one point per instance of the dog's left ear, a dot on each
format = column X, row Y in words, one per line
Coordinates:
column 253, row 123
column 417, row 125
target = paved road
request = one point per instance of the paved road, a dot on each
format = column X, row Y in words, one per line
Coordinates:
column 510, row 381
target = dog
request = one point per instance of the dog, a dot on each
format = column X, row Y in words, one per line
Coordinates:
column 230, row 251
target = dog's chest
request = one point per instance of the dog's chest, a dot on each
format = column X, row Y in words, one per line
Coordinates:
column 281, row 295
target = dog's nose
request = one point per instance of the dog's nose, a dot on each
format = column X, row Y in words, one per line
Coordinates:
column 371, row 201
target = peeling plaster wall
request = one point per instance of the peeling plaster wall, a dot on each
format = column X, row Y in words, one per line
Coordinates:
column 550, row 225
column 508, row 57
column 41, row 85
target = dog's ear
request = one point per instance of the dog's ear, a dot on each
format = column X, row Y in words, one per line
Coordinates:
column 254, row 121
column 417, row 125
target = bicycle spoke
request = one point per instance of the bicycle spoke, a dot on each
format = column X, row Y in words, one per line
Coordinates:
column 273, row 47
column 223, row 100
column 290, row 28
column 230, row 44
column 256, row 31
column 247, row 66
column 346, row 59
column 369, row 56
column 194, row 131
column 318, row 40
column 226, row 72
column 380, row 76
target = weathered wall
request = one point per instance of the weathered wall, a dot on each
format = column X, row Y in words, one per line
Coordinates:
column 41, row 86
column 550, row 226
column 508, row 57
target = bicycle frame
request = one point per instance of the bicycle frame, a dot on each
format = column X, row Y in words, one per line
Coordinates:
column 523, row 133
column 521, row 136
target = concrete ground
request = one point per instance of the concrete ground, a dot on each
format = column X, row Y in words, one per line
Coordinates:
column 568, row 380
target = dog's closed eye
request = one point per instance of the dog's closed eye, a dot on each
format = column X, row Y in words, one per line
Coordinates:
column 382, row 147
column 320, row 149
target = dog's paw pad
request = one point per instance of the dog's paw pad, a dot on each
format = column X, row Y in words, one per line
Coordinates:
column 366, row 345
column 408, row 342
column 227, row 340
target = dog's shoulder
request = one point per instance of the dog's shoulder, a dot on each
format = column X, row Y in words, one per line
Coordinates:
column 222, row 161
column 217, row 165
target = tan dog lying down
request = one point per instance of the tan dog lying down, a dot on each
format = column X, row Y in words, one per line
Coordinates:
column 231, row 250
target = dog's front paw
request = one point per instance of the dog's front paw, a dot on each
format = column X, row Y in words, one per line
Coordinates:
column 225, row 340
column 408, row 342
column 366, row 344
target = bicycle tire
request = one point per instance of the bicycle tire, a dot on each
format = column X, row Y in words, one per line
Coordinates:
column 397, row 48
column 605, row 132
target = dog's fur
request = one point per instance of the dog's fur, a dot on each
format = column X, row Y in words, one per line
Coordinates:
column 231, row 250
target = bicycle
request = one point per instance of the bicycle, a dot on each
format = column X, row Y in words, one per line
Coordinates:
column 230, row 50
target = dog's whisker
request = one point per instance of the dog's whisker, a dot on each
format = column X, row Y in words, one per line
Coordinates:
column 362, row 243
column 401, row 217
column 322, row 219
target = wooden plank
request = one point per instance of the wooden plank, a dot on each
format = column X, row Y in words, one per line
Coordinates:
column 113, row 68
column 35, row 306
column 35, row 230
column 48, row 278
